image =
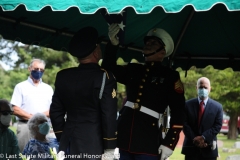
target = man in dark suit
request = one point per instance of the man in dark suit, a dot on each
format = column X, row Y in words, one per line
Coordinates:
column 151, row 88
column 87, row 95
column 203, row 122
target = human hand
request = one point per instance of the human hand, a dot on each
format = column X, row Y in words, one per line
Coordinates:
column 29, row 116
column 199, row 142
column 46, row 113
column 165, row 152
column 108, row 154
column 202, row 145
column 113, row 30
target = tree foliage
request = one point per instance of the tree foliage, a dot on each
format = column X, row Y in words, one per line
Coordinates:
column 55, row 61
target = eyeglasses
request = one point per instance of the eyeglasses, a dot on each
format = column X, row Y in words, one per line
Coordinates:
column 38, row 69
column 6, row 112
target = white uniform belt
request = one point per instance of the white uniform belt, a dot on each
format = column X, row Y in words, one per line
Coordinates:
column 143, row 109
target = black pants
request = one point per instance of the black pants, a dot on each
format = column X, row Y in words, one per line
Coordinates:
column 199, row 158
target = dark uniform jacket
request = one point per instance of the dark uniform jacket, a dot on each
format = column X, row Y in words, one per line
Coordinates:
column 154, row 87
column 210, row 126
column 91, row 123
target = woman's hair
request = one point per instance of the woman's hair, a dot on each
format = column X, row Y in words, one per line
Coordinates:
column 34, row 121
column 4, row 102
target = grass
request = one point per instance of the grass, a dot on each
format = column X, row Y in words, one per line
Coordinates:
column 227, row 144
column 223, row 155
column 177, row 152
column 14, row 129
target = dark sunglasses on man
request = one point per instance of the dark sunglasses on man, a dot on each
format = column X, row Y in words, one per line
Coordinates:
column 6, row 112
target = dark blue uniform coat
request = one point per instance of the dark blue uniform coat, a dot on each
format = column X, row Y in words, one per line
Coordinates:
column 155, row 87
column 91, row 124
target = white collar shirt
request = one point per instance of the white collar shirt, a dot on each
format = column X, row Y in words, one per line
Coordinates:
column 31, row 98
column 205, row 101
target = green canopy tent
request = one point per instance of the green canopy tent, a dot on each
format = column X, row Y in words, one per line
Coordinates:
column 205, row 33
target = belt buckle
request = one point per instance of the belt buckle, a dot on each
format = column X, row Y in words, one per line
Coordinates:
column 136, row 106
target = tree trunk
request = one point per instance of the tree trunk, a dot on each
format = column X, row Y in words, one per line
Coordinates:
column 232, row 130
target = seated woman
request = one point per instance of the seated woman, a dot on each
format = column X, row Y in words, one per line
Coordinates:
column 39, row 146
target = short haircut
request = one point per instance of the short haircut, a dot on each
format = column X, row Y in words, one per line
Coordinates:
column 37, row 60
column 34, row 121
column 198, row 81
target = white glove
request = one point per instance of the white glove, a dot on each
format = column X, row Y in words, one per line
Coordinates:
column 166, row 152
column 108, row 154
column 58, row 156
column 113, row 30
column 214, row 145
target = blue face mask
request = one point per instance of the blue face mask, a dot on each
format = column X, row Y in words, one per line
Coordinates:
column 44, row 128
column 36, row 74
column 202, row 93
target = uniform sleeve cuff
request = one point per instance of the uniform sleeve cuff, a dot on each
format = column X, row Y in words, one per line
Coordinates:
column 110, row 144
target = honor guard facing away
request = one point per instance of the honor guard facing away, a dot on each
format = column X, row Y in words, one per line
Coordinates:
column 87, row 95
column 150, row 89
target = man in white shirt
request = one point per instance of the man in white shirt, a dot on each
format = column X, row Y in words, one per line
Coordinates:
column 29, row 97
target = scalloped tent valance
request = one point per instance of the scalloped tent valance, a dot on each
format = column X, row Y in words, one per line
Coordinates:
column 204, row 32
column 116, row 6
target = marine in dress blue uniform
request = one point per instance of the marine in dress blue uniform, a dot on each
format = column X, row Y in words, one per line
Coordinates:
column 151, row 88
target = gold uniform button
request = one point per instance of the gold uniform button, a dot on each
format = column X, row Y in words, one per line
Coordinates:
column 138, row 100
column 135, row 106
column 146, row 75
column 173, row 138
column 175, row 132
column 170, row 144
column 143, row 80
column 140, row 86
column 147, row 70
column 153, row 124
column 152, row 63
column 139, row 94
column 115, row 133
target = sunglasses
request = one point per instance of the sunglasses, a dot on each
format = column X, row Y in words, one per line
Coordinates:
column 6, row 112
column 38, row 69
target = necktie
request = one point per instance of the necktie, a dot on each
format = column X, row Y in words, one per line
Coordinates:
column 201, row 110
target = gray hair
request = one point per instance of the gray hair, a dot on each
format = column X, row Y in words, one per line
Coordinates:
column 34, row 121
column 203, row 78
column 37, row 60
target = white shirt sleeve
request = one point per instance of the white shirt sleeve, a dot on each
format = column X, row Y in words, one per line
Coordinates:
column 17, row 96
